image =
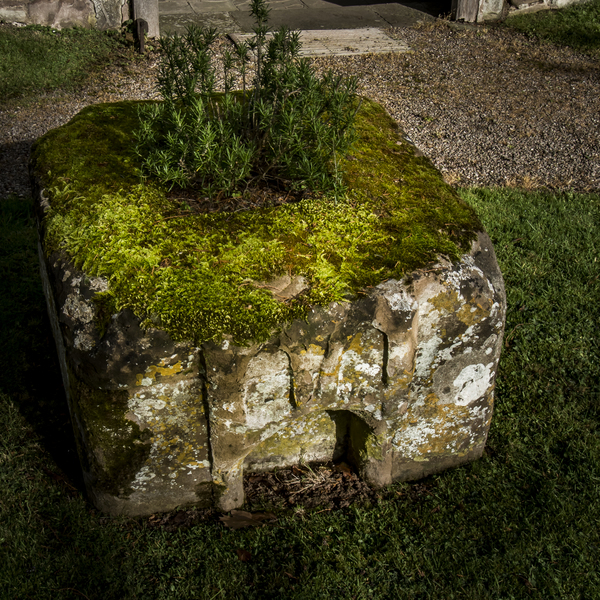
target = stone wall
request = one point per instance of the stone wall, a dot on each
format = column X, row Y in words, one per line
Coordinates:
column 104, row 14
column 493, row 10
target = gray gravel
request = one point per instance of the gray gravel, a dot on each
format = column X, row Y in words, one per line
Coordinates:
column 488, row 106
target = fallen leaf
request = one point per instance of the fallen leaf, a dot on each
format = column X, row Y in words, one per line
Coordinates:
column 179, row 518
column 343, row 468
column 243, row 555
column 241, row 518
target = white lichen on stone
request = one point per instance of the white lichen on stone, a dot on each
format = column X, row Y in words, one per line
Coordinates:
column 473, row 383
column 98, row 284
column 426, row 355
column 170, row 411
column 84, row 341
column 402, row 302
column 142, row 477
column 266, row 389
column 77, row 309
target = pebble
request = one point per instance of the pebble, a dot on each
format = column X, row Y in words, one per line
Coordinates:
column 490, row 107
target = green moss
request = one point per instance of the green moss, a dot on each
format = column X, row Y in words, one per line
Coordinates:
column 196, row 276
column 363, row 443
column 120, row 447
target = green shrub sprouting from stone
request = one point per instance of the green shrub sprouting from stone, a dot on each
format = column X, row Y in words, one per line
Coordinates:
column 291, row 128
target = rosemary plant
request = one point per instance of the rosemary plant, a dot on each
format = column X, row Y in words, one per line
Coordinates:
column 290, row 129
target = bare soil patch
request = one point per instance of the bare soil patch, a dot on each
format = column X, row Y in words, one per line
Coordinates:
column 257, row 196
column 294, row 490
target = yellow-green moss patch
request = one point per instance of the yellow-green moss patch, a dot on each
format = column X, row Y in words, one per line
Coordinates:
column 196, row 275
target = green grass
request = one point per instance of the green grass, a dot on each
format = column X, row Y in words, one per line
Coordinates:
column 577, row 26
column 522, row 522
column 37, row 59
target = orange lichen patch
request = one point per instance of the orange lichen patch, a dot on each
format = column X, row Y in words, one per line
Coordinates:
column 398, row 383
column 448, row 302
column 356, row 343
column 313, row 349
column 471, row 314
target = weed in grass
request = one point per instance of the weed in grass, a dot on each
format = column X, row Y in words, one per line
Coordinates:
column 577, row 26
column 37, row 59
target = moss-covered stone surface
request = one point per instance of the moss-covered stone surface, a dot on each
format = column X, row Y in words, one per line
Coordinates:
column 195, row 346
column 202, row 276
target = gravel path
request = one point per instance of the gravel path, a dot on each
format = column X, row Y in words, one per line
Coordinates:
column 488, row 106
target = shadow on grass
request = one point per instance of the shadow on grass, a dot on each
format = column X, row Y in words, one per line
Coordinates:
column 29, row 369
column 576, row 26
column 521, row 522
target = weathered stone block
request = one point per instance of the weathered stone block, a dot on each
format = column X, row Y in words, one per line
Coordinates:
column 13, row 11
column 62, row 13
column 400, row 383
column 104, row 14
column 398, row 380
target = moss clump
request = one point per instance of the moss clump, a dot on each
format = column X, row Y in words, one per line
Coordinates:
column 196, row 275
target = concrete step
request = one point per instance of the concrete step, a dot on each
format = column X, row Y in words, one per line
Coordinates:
column 342, row 42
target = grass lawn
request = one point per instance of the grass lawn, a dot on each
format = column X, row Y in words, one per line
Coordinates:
column 577, row 26
column 522, row 522
column 38, row 59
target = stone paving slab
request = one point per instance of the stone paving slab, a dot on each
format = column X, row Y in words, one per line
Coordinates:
column 398, row 15
column 335, row 17
column 224, row 23
column 342, row 42
column 233, row 16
